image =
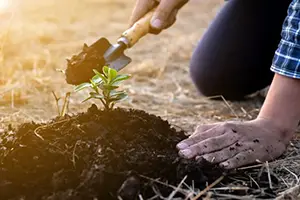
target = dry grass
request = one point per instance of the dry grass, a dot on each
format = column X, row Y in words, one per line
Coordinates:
column 37, row 36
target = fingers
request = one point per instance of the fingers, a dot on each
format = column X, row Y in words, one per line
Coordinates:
column 253, row 152
column 170, row 22
column 141, row 8
column 209, row 145
column 210, row 133
column 241, row 159
column 162, row 16
column 172, row 19
column 225, row 154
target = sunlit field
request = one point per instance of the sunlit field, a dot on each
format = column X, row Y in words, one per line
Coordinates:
column 36, row 38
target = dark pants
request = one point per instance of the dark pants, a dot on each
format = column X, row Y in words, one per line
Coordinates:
column 234, row 55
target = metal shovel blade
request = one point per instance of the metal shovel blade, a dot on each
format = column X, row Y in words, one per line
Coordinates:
column 115, row 58
column 102, row 52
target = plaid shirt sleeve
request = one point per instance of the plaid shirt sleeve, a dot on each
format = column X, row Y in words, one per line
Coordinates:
column 286, row 60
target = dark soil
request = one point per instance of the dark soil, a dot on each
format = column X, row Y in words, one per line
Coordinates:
column 80, row 67
column 90, row 155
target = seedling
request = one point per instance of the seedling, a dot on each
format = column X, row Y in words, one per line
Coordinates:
column 105, row 87
column 63, row 111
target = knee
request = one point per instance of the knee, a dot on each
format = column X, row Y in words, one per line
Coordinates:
column 202, row 79
column 211, row 80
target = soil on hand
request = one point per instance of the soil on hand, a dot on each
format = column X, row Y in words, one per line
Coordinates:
column 95, row 155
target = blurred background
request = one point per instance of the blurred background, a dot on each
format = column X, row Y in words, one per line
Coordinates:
column 36, row 38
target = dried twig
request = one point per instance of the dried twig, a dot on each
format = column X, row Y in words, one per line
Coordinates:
column 141, row 197
column 230, row 197
column 269, row 175
column 177, row 188
column 38, row 135
column 252, row 179
column 74, row 154
column 66, row 104
column 230, row 188
column 12, row 98
column 47, row 125
column 208, row 188
column 184, row 192
column 226, row 103
column 250, row 167
column 56, row 101
column 296, row 177
column 291, row 193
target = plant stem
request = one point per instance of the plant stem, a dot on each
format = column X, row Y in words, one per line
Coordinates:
column 102, row 102
column 112, row 106
column 106, row 99
column 66, row 104
column 56, row 101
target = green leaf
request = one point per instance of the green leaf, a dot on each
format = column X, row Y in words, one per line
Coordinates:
column 93, row 83
column 82, row 86
column 108, row 87
column 101, row 76
column 105, row 70
column 119, row 97
column 120, row 78
column 112, row 73
column 87, row 99
column 116, row 93
column 94, row 86
column 96, row 95
column 97, row 80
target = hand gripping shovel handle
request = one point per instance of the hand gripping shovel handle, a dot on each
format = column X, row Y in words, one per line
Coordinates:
column 138, row 30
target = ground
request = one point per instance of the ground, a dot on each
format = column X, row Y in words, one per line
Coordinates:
column 38, row 36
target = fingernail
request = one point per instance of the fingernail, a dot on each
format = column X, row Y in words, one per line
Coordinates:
column 182, row 145
column 224, row 164
column 199, row 158
column 205, row 157
column 157, row 23
column 186, row 153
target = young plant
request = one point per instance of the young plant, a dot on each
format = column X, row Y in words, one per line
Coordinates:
column 62, row 112
column 105, row 87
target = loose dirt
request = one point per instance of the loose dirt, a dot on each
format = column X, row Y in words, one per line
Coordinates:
column 109, row 154
column 89, row 155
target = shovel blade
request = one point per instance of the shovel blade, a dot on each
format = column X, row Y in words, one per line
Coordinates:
column 115, row 57
column 119, row 63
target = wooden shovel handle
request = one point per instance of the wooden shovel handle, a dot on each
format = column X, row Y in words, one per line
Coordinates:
column 139, row 29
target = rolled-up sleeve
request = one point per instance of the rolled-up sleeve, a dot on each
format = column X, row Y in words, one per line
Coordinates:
column 286, row 60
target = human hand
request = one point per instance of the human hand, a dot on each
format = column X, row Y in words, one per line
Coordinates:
column 164, row 15
column 235, row 144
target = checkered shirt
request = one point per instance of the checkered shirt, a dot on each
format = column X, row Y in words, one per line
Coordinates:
column 286, row 60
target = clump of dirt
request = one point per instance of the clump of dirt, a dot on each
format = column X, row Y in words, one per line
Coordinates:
column 80, row 67
column 95, row 155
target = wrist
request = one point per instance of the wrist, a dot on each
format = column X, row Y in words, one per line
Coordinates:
column 281, row 107
column 279, row 121
column 282, row 131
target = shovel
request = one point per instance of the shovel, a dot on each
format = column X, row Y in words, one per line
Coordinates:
column 103, row 53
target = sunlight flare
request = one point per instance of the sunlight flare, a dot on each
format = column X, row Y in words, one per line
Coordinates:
column 4, row 4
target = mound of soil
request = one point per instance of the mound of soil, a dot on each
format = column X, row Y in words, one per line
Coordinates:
column 95, row 155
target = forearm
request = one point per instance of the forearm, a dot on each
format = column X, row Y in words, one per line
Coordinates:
column 282, row 104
